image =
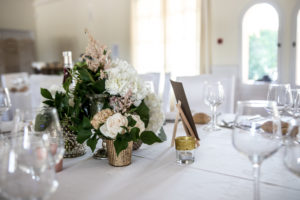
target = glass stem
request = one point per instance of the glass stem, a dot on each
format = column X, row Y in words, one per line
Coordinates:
column 214, row 116
column 256, row 175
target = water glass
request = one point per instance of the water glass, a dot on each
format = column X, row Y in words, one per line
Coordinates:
column 45, row 121
column 26, row 167
column 213, row 97
column 252, row 138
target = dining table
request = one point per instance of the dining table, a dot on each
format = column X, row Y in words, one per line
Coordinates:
column 219, row 172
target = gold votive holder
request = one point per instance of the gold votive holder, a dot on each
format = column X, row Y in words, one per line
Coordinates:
column 185, row 150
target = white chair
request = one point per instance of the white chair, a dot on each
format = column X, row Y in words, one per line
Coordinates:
column 18, row 85
column 154, row 78
column 193, row 86
column 38, row 81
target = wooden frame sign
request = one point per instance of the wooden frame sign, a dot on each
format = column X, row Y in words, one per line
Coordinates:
column 184, row 112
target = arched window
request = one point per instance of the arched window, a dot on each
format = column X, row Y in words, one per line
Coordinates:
column 297, row 74
column 259, row 43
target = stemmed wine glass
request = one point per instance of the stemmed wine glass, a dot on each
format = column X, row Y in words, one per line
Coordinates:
column 26, row 166
column 45, row 121
column 213, row 97
column 252, row 138
column 281, row 94
column 5, row 102
column 294, row 108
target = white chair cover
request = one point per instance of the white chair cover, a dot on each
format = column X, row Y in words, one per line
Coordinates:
column 154, row 78
column 38, row 81
column 193, row 86
column 20, row 95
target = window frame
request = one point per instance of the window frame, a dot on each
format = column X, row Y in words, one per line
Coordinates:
column 279, row 50
column 293, row 50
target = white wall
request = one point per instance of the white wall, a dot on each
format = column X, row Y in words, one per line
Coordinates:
column 17, row 14
column 226, row 24
column 60, row 26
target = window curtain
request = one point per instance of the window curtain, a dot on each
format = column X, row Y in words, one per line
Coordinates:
column 205, row 36
column 171, row 36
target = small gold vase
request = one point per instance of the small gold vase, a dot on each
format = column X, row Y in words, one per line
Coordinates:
column 124, row 157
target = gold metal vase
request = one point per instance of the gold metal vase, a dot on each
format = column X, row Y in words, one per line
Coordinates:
column 124, row 157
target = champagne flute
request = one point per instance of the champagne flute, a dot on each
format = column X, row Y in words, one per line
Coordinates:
column 281, row 94
column 26, row 167
column 213, row 97
column 254, row 140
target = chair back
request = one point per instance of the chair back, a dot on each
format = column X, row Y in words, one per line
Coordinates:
column 19, row 92
column 38, row 81
column 154, row 78
column 194, row 85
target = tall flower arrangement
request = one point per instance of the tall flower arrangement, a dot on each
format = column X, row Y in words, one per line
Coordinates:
column 130, row 111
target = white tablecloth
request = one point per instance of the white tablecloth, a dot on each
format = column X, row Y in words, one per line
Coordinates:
column 219, row 172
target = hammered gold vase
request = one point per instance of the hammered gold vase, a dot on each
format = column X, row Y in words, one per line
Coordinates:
column 124, row 157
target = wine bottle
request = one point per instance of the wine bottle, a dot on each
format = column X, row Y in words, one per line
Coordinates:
column 67, row 64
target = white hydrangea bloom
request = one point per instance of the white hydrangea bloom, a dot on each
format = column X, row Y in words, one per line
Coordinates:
column 157, row 116
column 123, row 78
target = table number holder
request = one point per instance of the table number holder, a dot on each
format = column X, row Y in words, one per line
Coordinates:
column 187, row 127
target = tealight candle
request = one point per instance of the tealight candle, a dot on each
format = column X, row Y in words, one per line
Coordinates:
column 185, row 149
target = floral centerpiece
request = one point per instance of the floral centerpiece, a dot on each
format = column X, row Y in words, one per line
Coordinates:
column 129, row 111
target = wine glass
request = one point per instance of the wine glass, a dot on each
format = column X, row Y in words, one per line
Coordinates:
column 213, row 97
column 294, row 108
column 5, row 103
column 259, row 137
column 26, row 167
column 45, row 120
column 281, row 94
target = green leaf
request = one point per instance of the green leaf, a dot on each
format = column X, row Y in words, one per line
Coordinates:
column 49, row 103
column 99, row 86
column 92, row 142
column 162, row 135
column 67, row 84
column 120, row 145
column 85, row 75
column 46, row 94
column 143, row 112
column 131, row 121
column 86, row 124
column 148, row 137
column 83, row 135
column 81, row 64
column 134, row 133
